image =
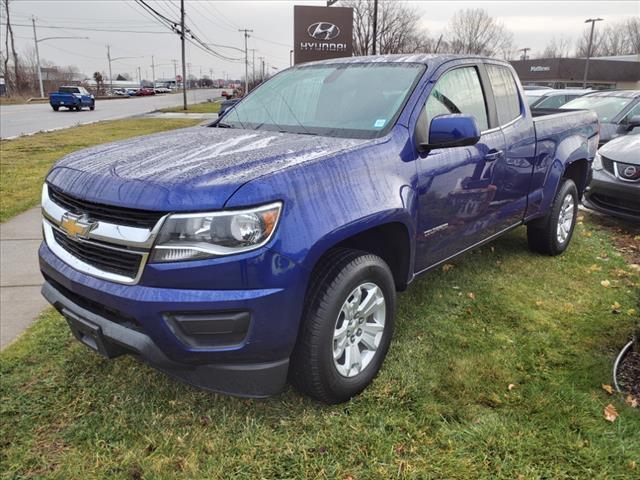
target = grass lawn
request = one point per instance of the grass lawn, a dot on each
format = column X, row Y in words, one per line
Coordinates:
column 204, row 107
column 440, row 408
column 25, row 161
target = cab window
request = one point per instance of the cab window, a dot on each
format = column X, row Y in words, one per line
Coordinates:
column 505, row 93
column 458, row 91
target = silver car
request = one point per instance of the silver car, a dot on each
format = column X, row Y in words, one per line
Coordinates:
column 615, row 187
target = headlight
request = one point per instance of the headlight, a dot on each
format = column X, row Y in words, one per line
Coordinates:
column 597, row 162
column 195, row 236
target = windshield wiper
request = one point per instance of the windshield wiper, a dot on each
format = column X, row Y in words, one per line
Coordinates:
column 224, row 125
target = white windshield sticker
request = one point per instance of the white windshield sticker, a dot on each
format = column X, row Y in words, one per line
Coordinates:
column 379, row 123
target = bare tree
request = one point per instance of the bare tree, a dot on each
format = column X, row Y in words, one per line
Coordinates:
column 16, row 80
column 618, row 38
column 398, row 28
column 632, row 27
column 473, row 31
column 559, row 47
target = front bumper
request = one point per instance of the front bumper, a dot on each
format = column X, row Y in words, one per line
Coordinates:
column 117, row 319
column 610, row 195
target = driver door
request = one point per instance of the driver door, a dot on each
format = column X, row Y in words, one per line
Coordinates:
column 456, row 185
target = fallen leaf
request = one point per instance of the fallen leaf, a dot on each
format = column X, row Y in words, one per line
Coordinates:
column 610, row 413
column 448, row 266
column 631, row 312
column 632, row 464
column 580, row 218
column 607, row 388
column 471, row 295
column 605, row 283
column 493, row 249
column 539, row 303
column 615, row 308
column 586, row 234
column 511, row 386
column 594, row 268
column 634, row 266
column 399, row 449
column 632, row 401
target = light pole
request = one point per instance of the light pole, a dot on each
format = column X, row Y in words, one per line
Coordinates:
column 36, row 41
column 113, row 60
column 586, row 66
column 524, row 52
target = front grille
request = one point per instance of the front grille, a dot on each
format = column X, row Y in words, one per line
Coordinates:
column 107, row 213
column 106, row 259
column 607, row 164
column 614, row 203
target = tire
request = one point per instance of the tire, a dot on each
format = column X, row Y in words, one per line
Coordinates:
column 92, row 107
column 78, row 108
column 545, row 235
column 55, row 108
column 342, row 276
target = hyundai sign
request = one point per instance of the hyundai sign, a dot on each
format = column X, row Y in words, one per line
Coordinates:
column 322, row 32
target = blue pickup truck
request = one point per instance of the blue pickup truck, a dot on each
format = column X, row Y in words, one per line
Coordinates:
column 270, row 244
column 73, row 98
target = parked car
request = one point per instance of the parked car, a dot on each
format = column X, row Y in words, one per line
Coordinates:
column 616, row 111
column 121, row 92
column 132, row 92
column 535, row 87
column 553, row 98
column 615, row 188
column 271, row 245
column 73, row 98
column 145, row 91
column 226, row 105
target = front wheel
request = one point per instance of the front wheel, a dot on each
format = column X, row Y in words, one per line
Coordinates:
column 55, row 108
column 92, row 107
column 552, row 234
column 346, row 328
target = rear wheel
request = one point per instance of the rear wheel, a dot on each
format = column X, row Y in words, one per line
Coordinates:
column 552, row 234
column 55, row 108
column 346, row 328
column 93, row 106
column 78, row 108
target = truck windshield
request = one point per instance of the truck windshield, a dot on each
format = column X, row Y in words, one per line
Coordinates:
column 605, row 107
column 341, row 100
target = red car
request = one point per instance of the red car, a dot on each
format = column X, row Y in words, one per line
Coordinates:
column 143, row 92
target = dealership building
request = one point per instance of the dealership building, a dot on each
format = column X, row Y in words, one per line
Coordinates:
column 605, row 73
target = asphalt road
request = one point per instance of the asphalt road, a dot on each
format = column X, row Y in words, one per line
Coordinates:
column 16, row 120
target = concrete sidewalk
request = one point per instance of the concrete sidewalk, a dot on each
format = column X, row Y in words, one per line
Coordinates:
column 20, row 279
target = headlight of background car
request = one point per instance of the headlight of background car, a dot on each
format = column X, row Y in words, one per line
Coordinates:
column 195, row 236
column 597, row 162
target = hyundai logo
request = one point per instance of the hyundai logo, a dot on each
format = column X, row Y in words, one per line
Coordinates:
column 323, row 31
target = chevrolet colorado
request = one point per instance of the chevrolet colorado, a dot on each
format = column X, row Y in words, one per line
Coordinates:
column 271, row 243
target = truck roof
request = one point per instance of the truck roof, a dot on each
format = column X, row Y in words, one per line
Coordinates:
column 424, row 58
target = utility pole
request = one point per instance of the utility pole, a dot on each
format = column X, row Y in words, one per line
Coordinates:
column 184, row 67
column 261, row 68
column 110, row 76
column 175, row 69
column 586, row 66
column 524, row 52
column 153, row 72
column 253, row 65
column 139, row 77
column 35, row 39
column 375, row 24
column 438, row 44
column 246, row 59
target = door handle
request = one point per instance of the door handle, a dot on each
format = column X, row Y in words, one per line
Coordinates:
column 494, row 155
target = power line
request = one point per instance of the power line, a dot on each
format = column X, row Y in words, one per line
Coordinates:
column 88, row 29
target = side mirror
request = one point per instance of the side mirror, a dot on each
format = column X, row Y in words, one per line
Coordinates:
column 633, row 123
column 454, row 130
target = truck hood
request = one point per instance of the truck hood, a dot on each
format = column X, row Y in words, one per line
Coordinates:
column 190, row 169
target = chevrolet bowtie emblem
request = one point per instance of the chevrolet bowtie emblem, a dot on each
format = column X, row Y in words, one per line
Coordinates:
column 77, row 225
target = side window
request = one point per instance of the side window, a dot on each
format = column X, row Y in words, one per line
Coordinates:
column 505, row 92
column 631, row 113
column 458, row 91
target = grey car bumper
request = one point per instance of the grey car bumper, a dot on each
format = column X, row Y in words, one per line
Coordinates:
column 613, row 196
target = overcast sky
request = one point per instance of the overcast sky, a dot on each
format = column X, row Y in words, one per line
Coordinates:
column 533, row 24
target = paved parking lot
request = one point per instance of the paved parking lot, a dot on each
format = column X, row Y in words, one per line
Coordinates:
column 16, row 120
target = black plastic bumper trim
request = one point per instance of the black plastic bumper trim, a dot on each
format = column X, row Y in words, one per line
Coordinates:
column 111, row 340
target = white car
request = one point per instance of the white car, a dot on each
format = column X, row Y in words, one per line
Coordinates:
column 553, row 98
